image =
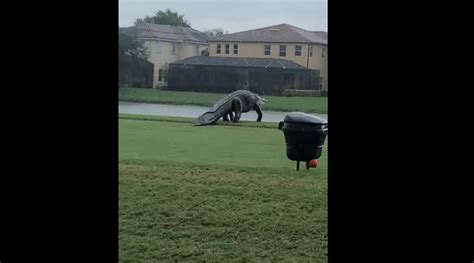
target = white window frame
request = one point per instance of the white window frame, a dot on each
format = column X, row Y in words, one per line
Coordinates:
column 269, row 50
column 283, row 50
column 227, row 48
column 300, row 51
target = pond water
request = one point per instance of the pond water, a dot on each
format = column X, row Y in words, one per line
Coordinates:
column 194, row 111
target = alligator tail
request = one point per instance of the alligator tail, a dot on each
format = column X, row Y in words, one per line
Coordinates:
column 206, row 118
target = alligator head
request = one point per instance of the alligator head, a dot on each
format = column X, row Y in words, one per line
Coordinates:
column 260, row 101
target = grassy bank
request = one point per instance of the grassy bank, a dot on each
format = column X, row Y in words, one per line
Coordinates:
column 189, row 121
column 216, row 193
column 305, row 104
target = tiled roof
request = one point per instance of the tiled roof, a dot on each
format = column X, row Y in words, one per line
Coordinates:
column 166, row 32
column 322, row 34
column 282, row 33
column 240, row 62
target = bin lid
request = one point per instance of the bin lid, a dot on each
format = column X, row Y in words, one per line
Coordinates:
column 303, row 118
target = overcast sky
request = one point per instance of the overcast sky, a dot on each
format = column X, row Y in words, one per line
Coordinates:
column 231, row 15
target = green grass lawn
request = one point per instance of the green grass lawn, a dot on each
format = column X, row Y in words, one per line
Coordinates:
column 216, row 194
column 305, row 104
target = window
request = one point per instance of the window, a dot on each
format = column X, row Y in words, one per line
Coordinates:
column 236, row 48
column 162, row 75
column 267, row 50
column 322, row 52
column 282, row 51
column 218, row 51
column 174, row 49
column 311, row 51
column 298, row 51
column 227, row 48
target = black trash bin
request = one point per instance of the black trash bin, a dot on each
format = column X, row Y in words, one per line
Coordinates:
column 304, row 136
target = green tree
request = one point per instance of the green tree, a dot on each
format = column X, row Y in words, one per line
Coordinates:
column 131, row 46
column 134, row 69
column 165, row 18
column 214, row 32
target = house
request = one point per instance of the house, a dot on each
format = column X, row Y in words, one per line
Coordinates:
column 265, row 76
column 167, row 44
column 283, row 41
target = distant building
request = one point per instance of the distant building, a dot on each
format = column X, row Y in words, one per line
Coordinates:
column 306, row 48
column 167, row 44
column 265, row 76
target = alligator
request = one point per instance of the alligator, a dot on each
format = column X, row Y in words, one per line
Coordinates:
column 231, row 107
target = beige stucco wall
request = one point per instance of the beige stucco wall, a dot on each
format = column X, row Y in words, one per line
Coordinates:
column 319, row 60
column 162, row 52
column 189, row 50
column 256, row 50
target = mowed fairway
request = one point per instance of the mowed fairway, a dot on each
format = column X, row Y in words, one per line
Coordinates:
column 216, row 194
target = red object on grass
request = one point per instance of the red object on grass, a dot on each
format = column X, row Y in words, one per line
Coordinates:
column 313, row 163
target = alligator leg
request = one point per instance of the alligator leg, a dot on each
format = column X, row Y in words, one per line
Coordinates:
column 237, row 108
column 259, row 112
column 228, row 116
